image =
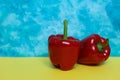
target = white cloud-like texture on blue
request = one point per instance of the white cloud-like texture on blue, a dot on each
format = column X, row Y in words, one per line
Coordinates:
column 25, row 25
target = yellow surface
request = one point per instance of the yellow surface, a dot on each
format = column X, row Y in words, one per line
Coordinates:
column 40, row 68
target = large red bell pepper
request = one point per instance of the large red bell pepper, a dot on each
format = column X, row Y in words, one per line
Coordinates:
column 63, row 50
column 94, row 50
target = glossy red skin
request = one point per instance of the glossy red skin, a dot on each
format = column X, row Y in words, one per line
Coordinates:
column 63, row 53
column 89, row 53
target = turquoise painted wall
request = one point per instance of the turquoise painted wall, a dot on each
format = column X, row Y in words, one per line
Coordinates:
column 25, row 25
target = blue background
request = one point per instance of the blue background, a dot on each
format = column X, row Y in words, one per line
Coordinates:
column 25, row 25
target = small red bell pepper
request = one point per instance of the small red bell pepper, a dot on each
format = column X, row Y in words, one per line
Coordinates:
column 63, row 50
column 94, row 50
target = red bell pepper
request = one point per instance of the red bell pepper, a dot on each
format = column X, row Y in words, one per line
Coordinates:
column 94, row 50
column 63, row 50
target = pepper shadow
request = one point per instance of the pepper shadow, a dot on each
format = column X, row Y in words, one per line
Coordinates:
column 94, row 65
column 47, row 62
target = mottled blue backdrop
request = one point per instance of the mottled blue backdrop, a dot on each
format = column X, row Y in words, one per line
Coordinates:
column 25, row 25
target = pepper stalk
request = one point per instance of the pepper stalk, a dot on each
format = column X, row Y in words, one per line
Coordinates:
column 65, row 29
column 102, row 46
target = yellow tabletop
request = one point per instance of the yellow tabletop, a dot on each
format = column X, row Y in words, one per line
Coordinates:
column 40, row 68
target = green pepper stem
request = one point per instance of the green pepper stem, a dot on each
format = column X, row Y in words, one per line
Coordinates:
column 102, row 46
column 65, row 29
